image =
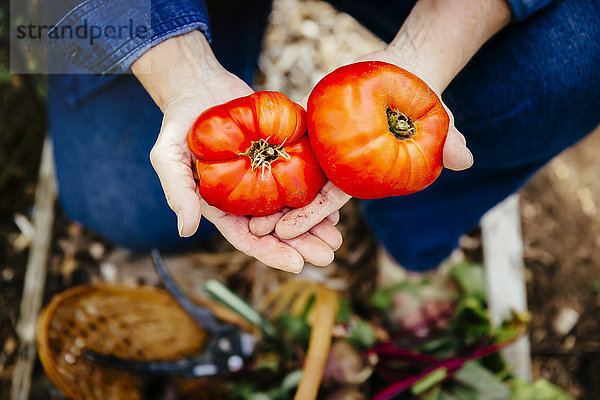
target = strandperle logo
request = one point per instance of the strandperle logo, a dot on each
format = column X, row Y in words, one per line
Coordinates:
column 83, row 31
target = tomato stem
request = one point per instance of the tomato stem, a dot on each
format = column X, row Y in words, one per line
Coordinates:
column 262, row 154
column 400, row 125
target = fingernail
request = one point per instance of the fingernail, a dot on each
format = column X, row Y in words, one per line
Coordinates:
column 180, row 222
column 472, row 159
column 297, row 271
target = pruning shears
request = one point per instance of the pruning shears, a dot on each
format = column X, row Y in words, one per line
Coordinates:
column 227, row 352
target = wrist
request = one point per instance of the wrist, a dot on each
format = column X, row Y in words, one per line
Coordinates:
column 439, row 37
column 179, row 67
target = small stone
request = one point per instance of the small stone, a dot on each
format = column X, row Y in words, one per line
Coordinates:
column 539, row 335
column 69, row 247
column 8, row 274
column 67, row 267
column 310, row 29
column 20, row 242
column 97, row 250
column 108, row 272
column 529, row 210
column 75, row 350
column 569, row 343
column 565, row 320
column 587, row 202
column 10, row 345
column 561, row 170
column 74, row 230
column 70, row 358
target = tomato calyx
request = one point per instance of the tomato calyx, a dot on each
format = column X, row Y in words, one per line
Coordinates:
column 400, row 125
column 262, row 154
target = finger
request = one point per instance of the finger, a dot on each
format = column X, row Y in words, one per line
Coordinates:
column 334, row 218
column 261, row 226
column 172, row 165
column 300, row 220
column 267, row 249
column 328, row 233
column 313, row 249
column 457, row 156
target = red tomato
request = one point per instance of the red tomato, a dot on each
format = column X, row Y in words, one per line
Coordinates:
column 253, row 155
column 377, row 130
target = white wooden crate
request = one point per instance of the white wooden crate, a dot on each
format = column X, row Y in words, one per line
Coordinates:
column 504, row 273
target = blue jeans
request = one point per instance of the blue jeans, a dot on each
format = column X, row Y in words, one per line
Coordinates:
column 530, row 92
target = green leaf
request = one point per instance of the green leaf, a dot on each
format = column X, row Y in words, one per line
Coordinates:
column 429, row 381
column 433, row 394
column 539, row 390
column 361, row 335
column 461, row 392
column 344, row 311
column 221, row 293
column 505, row 332
column 470, row 278
column 441, row 347
column 296, row 327
column 595, row 287
column 5, row 76
column 260, row 396
column 446, row 396
column 271, row 364
column 471, row 322
column 247, row 391
column 383, row 298
column 291, row 380
column 486, row 384
column 496, row 364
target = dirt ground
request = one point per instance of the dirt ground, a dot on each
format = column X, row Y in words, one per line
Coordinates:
column 560, row 216
column 561, row 228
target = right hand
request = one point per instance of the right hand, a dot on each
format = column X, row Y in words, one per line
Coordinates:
column 435, row 42
column 183, row 87
column 330, row 199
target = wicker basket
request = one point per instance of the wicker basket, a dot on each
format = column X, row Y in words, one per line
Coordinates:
column 140, row 323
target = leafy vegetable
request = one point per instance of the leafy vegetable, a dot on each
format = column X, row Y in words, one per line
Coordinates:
column 470, row 279
column 383, row 298
column 295, row 327
column 430, row 380
column 361, row 334
column 461, row 362
column 485, row 383
column 539, row 390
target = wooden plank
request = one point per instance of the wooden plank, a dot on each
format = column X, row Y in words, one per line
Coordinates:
column 35, row 275
column 506, row 290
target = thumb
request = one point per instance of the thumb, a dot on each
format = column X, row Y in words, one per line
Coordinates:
column 172, row 164
column 457, row 156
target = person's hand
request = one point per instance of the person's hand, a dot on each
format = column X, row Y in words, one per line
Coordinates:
column 330, row 199
column 435, row 42
column 183, row 89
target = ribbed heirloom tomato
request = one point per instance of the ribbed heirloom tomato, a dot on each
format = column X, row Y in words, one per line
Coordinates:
column 377, row 130
column 253, row 155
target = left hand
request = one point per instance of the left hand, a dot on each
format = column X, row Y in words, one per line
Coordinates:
column 184, row 78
